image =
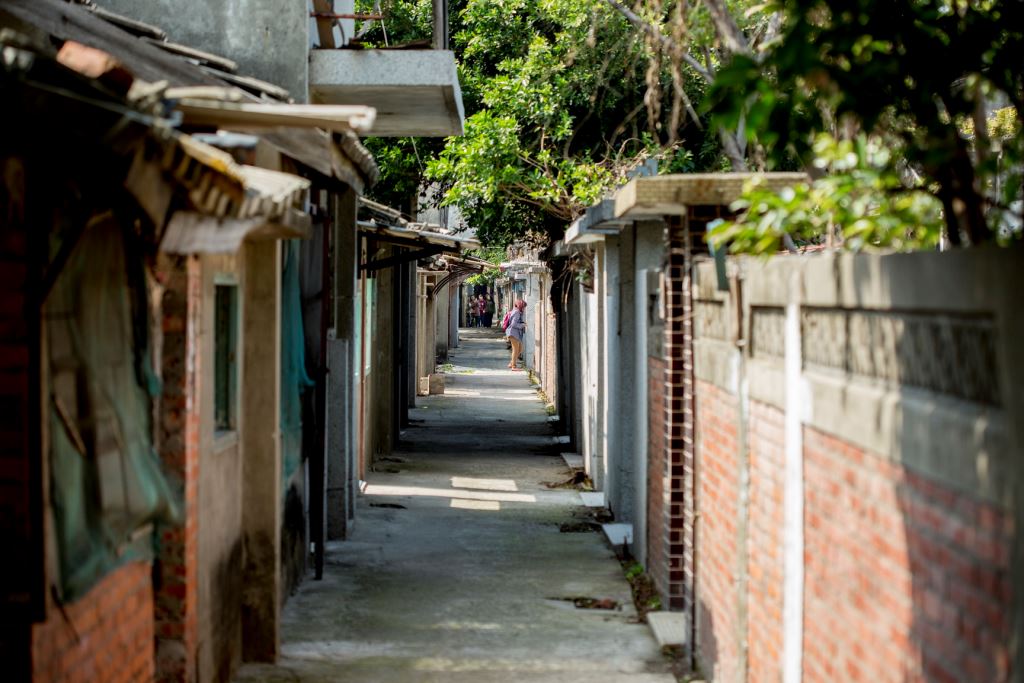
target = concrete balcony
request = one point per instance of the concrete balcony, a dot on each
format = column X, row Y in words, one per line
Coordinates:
column 415, row 92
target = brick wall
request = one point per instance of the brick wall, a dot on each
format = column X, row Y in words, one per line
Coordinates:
column 678, row 525
column 105, row 636
column 765, row 542
column 906, row 579
column 910, row 525
column 718, row 639
column 178, row 434
column 657, row 563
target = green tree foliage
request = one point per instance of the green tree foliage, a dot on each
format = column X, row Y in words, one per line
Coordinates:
column 557, row 112
column 860, row 201
column 919, row 77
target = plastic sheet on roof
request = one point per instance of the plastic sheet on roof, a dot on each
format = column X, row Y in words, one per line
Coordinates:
column 107, row 484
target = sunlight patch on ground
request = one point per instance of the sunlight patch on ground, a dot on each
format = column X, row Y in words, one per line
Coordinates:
column 519, row 665
column 460, row 392
column 413, row 491
column 467, row 626
column 484, row 484
column 489, row 505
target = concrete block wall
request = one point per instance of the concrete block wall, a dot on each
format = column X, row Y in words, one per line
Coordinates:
column 858, row 477
column 105, row 636
column 220, row 479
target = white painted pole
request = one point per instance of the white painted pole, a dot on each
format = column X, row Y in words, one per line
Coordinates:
column 793, row 586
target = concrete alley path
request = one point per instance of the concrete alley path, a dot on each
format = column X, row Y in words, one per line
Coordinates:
column 457, row 570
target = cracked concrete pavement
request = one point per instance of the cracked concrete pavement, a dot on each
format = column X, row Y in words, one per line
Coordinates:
column 456, row 569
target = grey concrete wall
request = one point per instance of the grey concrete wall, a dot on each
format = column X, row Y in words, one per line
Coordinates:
column 342, row 478
column 269, row 39
column 379, row 411
column 648, row 253
column 624, row 498
column 442, row 304
column 261, row 446
column 219, row 520
column 609, row 360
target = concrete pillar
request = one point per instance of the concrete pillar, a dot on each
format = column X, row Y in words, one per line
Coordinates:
column 590, row 333
column 261, row 464
column 599, row 472
column 342, row 361
column 624, row 368
column 647, row 257
column 611, row 454
column 441, row 306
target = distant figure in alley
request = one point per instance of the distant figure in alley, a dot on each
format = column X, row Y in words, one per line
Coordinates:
column 516, row 328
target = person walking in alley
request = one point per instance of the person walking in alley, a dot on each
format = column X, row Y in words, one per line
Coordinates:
column 515, row 330
column 489, row 316
column 481, row 311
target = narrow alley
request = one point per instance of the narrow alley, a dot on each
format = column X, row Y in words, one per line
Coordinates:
column 457, row 569
column 263, row 263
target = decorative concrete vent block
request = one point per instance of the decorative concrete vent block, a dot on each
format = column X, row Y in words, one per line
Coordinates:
column 436, row 383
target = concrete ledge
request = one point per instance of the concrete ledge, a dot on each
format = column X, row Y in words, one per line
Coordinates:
column 593, row 499
column 962, row 444
column 716, row 362
column 669, row 628
column 618, row 534
column 573, row 460
column 415, row 92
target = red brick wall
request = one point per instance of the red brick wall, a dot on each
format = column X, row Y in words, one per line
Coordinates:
column 679, row 444
column 766, row 441
column 105, row 636
column 905, row 578
column 718, row 641
column 657, row 564
column 178, row 432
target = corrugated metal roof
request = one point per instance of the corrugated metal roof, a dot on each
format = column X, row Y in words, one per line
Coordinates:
column 411, row 237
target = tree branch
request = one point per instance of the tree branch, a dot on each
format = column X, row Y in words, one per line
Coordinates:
column 666, row 43
column 728, row 31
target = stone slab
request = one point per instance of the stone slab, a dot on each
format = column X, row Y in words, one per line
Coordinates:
column 669, row 628
column 618, row 533
column 573, row 460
